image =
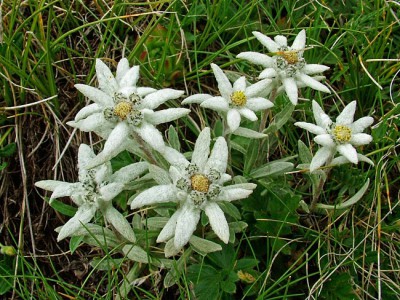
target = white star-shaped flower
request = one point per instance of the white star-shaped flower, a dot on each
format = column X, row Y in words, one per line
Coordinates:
column 94, row 191
column 120, row 108
column 287, row 67
column 340, row 136
column 236, row 100
column 197, row 185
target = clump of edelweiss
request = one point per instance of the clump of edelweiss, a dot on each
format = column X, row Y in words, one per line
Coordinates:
column 121, row 108
column 94, row 191
column 287, row 67
column 340, row 136
column 236, row 101
column 196, row 186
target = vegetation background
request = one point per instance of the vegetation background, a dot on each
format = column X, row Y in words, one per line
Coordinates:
column 48, row 46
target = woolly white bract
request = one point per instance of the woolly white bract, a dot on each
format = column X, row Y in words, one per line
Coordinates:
column 287, row 67
column 94, row 191
column 120, row 108
column 197, row 185
column 340, row 136
column 236, row 100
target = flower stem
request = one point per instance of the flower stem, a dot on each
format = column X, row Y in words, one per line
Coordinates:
column 318, row 190
column 145, row 148
column 226, row 133
column 263, row 122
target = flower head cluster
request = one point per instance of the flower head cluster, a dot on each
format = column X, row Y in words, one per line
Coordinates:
column 196, row 186
column 94, row 191
column 287, row 68
column 121, row 108
column 340, row 136
column 236, row 100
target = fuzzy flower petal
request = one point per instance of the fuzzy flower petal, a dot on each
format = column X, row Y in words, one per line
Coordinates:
column 299, row 42
column 257, row 58
column 93, row 94
column 233, row 194
column 347, row 115
column 271, row 45
column 151, row 135
column 107, row 82
column 155, row 99
column 83, row 216
column 216, row 103
column 156, row 194
column 325, row 140
column 320, row 117
column 202, row 148
column 312, row 83
column 217, row 221
column 360, row 139
column 113, row 146
column 224, row 85
column 361, row 124
column 311, row 127
column 256, row 104
column 291, row 89
column 197, row 98
column 233, row 118
column 168, row 230
column 120, row 223
column 165, row 115
column 320, row 158
column 348, row 151
column 186, row 225
column 219, row 156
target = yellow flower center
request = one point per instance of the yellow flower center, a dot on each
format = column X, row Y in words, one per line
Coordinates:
column 200, row 183
column 341, row 133
column 291, row 57
column 238, row 98
column 122, row 109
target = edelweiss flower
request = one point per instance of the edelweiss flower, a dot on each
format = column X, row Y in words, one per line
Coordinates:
column 287, row 67
column 340, row 136
column 195, row 186
column 120, row 108
column 236, row 101
column 94, row 191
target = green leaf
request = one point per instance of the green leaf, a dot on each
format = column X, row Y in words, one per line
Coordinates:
column 230, row 209
column 206, row 281
column 155, row 222
column 238, row 147
column 203, row 246
column 8, row 150
column 251, row 156
column 63, row 208
column 106, row 264
column 274, row 168
column 135, row 253
column 173, row 138
column 280, row 119
column 170, row 249
column 304, row 153
column 228, row 287
column 248, row 133
column 6, row 275
column 74, row 243
column 246, row 263
column 225, row 258
column 339, row 287
column 238, row 226
column 349, row 202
